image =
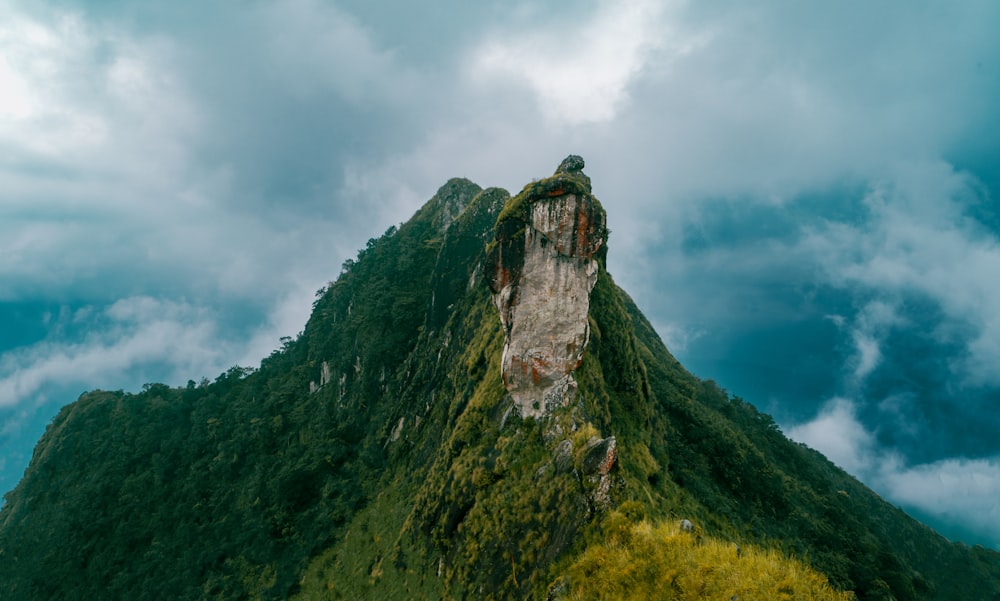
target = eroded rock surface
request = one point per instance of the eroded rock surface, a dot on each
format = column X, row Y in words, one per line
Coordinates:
column 600, row 457
column 542, row 269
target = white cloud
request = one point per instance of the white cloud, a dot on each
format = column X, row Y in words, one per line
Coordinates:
column 101, row 149
column 581, row 72
column 142, row 336
column 15, row 102
column 958, row 490
column 837, row 433
column 919, row 239
column 90, row 96
column 175, row 338
column 287, row 317
column 43, row 61
column 868, row 354
column 871, row 325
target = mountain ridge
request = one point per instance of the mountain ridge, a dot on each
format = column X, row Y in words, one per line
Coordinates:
column 380, row 455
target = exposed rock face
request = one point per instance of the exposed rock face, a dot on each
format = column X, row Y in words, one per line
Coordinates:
column 542, row 269
column 600, row 457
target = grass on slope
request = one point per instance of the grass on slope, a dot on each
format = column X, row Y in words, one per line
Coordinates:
column 660, row 562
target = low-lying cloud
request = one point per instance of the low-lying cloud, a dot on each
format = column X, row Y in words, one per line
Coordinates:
column 167, row 338
column 960, row 492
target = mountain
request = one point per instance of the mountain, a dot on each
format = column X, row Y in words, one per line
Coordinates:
column 474, row 410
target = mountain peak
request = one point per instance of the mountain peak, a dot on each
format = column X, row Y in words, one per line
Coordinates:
column 408, row 472
column 451, row 200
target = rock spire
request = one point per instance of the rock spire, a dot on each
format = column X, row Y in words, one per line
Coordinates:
column 542, row 268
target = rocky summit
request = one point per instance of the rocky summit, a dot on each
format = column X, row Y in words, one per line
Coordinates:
column 474, row 410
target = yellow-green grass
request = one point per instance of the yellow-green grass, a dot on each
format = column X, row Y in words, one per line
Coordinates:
column 661, row 562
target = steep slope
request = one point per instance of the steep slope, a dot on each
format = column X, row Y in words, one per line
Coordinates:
column 426, row 436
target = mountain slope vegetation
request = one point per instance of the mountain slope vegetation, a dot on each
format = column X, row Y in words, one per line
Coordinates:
column 377, row 455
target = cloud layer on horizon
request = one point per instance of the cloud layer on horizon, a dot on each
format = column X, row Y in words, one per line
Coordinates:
column 803, row 199
column 960, row 492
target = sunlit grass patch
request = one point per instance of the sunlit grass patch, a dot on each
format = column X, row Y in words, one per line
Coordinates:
column 659, row 561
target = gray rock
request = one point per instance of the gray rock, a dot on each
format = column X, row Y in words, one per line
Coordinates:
column 544, row 305
column 563, row 456
column 600, row 457
column 571, row 164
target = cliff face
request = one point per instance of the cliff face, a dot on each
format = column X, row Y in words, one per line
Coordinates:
column 542, row 269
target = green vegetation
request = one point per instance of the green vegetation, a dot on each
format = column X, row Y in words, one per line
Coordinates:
column 660, row 562
column 556, row 185
column 515, row 214
column 375, row 456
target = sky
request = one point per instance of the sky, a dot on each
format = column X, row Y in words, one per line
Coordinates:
column 803, row 197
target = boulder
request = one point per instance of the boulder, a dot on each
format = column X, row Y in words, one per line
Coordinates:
column 600, row 457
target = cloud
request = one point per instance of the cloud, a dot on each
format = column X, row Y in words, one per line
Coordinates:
column 287, row 317
column 919, row 238
column 124, row 345
column 16, row 101
column 125, row 337
column 87, row 90
column 837, row 433
column 870, row 329
column 772, row 103
column 130, row 173
column 957, row 492
column 140, row 339
column 315, row 49
column 100, row 148
column 879, row 293
column 579, row 72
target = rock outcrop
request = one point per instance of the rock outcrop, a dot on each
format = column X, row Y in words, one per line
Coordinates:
column 542, row 268
column 599, row 458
